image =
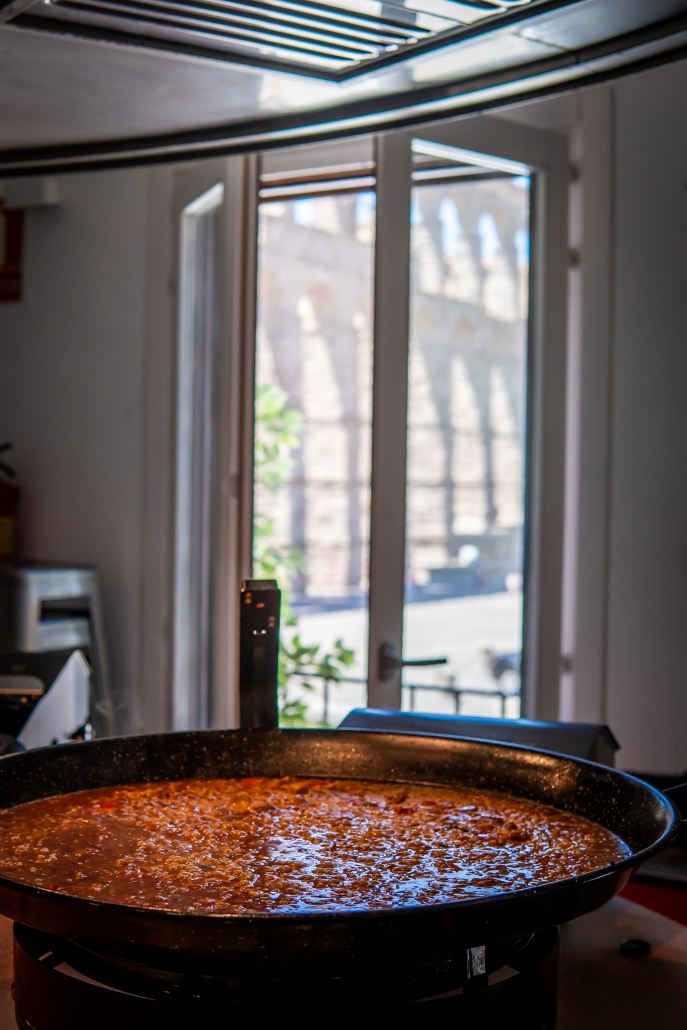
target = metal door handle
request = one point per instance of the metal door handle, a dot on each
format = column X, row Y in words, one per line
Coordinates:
column 390, row 660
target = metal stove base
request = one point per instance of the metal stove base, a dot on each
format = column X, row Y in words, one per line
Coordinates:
column 51, row 994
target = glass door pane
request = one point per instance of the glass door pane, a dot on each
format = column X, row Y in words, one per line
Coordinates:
column 312, row 454
column 199, row 317
column 466, row 437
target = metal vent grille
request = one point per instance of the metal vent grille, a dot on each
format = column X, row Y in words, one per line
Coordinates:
column 332, row 40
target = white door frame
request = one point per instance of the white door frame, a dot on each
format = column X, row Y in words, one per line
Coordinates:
column 230, row 450
column 590, row 408
column 389, row 411
column 192, row 585
column 235, row 428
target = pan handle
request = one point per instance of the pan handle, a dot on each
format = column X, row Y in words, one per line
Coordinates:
column 678, row 795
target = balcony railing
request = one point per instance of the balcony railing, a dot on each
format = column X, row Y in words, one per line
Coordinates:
column 456, row 692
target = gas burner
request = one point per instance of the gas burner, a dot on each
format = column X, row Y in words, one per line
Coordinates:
column 61, row 985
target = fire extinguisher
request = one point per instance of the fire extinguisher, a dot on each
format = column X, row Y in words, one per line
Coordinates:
column 9, row 496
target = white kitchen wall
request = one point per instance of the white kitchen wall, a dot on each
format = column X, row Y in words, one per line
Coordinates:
column 74, row 354
column 625, row 621
column 647, row 627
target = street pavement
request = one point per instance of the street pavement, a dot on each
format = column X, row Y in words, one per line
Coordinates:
column 461, row 629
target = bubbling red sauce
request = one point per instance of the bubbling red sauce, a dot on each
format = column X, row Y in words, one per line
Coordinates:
column 294, row 845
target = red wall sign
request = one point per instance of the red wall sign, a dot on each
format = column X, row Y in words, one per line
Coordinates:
column 11, row 252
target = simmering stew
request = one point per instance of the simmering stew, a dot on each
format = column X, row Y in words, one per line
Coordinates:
column 288, row 844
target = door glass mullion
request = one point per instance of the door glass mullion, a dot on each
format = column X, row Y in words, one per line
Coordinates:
column 388, row 482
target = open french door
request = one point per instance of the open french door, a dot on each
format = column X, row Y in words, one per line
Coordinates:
column 467, row 487
column 380, row 419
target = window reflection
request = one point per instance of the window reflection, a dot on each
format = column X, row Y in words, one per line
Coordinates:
column 466, row 444
column 313, row 408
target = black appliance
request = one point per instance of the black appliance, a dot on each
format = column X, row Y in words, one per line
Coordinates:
column 592, row 741
column 60, row 985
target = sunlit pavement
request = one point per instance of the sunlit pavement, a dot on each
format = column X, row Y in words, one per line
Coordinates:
column 459, row 629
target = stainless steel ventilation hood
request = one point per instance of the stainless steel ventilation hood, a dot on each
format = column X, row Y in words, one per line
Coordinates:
column 98, row 83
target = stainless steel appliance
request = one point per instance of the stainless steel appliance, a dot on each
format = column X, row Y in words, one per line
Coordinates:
column 53, row 608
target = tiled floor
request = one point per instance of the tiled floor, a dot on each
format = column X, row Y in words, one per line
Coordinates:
column 600, row 988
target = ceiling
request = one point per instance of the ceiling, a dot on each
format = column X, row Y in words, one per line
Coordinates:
column 333, row 40
column 93, row 83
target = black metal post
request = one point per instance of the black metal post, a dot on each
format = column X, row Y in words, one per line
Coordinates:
column 259, row 654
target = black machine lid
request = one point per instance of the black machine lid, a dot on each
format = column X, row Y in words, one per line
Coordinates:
column 95, row 83
column 593, row 742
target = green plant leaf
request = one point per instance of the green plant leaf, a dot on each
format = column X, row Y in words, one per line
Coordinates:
column 278, row 431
